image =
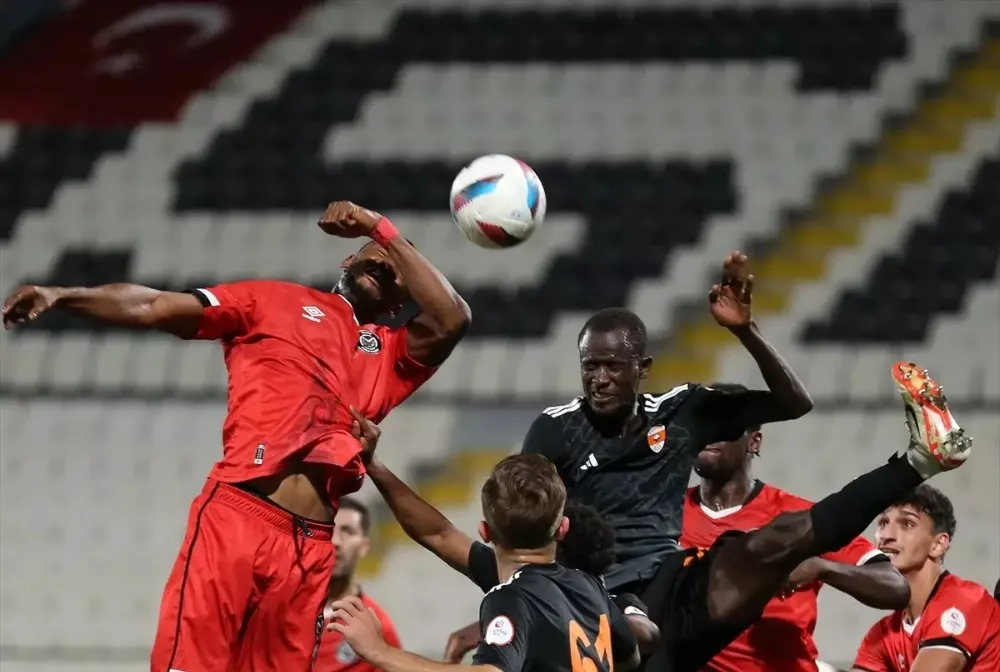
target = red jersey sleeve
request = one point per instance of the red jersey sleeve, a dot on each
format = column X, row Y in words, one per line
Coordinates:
column 871, row 655
column 961, row 618
column 407, row 373
column 859, row 552
column 228, row 310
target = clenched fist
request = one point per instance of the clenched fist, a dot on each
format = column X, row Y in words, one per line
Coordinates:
column 347, row 220
column 26, row 303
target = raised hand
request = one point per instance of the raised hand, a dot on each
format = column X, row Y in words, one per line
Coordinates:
column 367, row 433
column 26, row 303
column 347, row 220
column 730, row 300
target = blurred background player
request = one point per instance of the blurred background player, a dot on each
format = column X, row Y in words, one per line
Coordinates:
column 730, row 498
column 351, row 540
column 950, row 624
column 589, row 545
column 541, row 616
column 297, row 358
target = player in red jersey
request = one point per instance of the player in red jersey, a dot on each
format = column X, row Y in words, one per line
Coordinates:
column 248, row 586
column 950, row 624
column 729, row 498
column 351, row 540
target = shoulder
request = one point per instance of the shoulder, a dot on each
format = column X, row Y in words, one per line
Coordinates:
column 782, row 499
column 956, row 598
column 664, row 401
column 573, row 407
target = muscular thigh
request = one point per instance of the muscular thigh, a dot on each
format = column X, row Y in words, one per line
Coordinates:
column 284, row 629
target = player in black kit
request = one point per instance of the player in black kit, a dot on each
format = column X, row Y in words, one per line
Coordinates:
column 542, row 616
column 630, row 456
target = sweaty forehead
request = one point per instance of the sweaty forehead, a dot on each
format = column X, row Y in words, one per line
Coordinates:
column 605, row 344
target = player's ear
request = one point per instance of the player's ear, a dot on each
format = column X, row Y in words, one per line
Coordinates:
column 942, row 542
column 645, row 364
column 348, row 260
column 563, row 529
column 484, row 532
column 366, row 545
column 753, row 442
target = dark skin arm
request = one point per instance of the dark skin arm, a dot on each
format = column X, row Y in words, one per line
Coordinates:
column 878, row 585
column 730, row 305
column 444, row 316
column 422, row 522
column 120, row 304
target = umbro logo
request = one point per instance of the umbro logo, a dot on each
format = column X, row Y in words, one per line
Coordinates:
column 312, row 313
column 590, row 463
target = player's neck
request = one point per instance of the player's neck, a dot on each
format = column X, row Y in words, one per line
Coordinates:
column 357, row 305
column 725, row 493
column 343, row 586
column 922, row 582
column 510, row 561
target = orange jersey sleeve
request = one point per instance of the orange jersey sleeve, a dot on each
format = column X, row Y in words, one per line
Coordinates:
column 859, row 552
column 406, row 374
column 872, row 656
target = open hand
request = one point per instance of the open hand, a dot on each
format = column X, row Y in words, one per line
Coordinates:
column 367, row 433
column 730, row 300
column 359, row 626
column 26, row 303
column 347, row 220
column 461, row 642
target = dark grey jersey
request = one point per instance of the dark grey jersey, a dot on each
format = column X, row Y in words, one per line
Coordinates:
column 637, row 482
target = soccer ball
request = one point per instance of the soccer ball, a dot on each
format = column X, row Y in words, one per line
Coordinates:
column 497, row 201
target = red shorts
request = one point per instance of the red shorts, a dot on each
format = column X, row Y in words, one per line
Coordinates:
column 247, row 589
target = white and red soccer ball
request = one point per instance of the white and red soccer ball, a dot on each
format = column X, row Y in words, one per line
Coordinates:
column 497, row 201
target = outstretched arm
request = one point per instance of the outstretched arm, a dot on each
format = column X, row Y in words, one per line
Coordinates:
column 422, row 522
column 444, row 316
column 120, row 304
column 786, row 397
column 878, row 584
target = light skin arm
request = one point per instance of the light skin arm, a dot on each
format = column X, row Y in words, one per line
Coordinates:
column 444, row 316
column 422, row 522
column 878, row 585
column 730, row 304
column 119, row 304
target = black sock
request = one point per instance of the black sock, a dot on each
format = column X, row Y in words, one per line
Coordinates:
column 840, row 517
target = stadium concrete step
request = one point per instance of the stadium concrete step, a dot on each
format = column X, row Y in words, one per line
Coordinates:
column 869, row 188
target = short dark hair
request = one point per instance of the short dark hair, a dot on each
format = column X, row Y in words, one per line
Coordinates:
column 523, row 501
column 930, row 501
column 735, row 389
column 589, row 545
column 352, row 504
column 618, row 319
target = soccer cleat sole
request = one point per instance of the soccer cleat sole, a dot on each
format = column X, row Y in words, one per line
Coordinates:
column 933, row 428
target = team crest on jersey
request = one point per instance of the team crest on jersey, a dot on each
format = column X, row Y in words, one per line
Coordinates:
column 345, row 654
column 953, row 621
column 368, row 342
column 656, row 437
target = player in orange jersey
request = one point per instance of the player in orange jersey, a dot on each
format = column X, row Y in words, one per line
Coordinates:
column 950, row 624
column 351, row 540
column 729, row 498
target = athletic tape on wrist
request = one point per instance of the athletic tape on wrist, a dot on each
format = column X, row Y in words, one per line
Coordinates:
column 384, row 232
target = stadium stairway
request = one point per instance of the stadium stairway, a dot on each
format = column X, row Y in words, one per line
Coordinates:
column 955, row 118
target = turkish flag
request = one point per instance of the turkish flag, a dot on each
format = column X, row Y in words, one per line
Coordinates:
column 107, row 62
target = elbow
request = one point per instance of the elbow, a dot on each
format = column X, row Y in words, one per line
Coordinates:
column 802, row 404
column 893, row 592
column 453, row 326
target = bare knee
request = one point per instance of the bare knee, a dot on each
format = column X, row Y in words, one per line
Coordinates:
column 786, row 539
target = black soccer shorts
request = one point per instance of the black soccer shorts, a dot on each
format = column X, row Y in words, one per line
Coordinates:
column 677, row 598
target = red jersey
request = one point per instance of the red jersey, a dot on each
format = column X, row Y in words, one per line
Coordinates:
column 782, row 640
column 959, row 615
column 297, row 359
column 336, row 655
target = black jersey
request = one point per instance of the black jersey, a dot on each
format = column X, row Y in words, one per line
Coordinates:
column 637, row 482
column 546, row 618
